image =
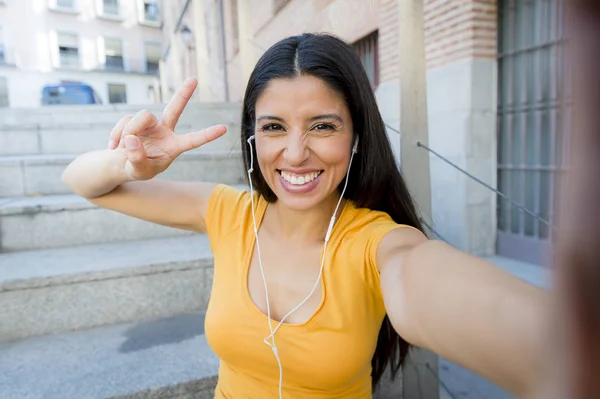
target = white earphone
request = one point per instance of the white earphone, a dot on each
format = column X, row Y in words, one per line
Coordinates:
column 270, row 339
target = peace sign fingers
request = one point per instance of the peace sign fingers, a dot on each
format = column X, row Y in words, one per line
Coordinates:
column 175, row 107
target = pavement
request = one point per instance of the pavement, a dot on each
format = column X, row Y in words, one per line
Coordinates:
column 115, row 361
column 457, row 382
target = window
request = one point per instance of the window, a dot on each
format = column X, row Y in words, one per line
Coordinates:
column 533, row 137
column 3, row 92
column 2, row 50
column 368, row 53
column 68, row 49
column 152, row 51
column 110, row 7
column 113, row 49
column 151, row 12
column 68, row 4
column 117, row 93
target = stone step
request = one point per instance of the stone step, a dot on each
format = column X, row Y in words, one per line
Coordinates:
column 68, row 220
column 58, row 290
column 162, row 358
column 33, row 175
column 62, row 115
column 77, row 138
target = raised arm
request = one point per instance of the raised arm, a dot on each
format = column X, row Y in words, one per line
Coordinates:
column 464, row 309
column 121, row 177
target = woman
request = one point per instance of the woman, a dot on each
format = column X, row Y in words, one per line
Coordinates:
column 304, row 306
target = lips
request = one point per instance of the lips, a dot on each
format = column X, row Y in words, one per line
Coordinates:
column 298, row 179
column 300, row 182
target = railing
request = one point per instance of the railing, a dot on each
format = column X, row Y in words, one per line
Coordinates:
column 69, row 60
column 479, row 181
column 114, row 63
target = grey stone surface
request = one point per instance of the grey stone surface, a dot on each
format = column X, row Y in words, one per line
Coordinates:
column 79, row 138
column 19, row 141
column 72, row 223
column 48, row 291
column 64, row 115
column 388, row 100
column 65, row 130
column 462, row 127
column 115, row 361
column 197, row 389
column 27, row 175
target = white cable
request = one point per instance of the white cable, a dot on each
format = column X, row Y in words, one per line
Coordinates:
column 262, row 272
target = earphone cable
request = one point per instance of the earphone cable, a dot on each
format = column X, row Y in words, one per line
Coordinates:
column 272, row 344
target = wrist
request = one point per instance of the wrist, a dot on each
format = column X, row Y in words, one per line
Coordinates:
column 117, row 167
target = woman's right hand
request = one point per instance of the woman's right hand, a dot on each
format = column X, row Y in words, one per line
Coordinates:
column 149, row 146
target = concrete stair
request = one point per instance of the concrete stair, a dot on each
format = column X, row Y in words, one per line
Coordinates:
column 207, row 114
column 77, row 138
column 97, row 304
column 34, row 175
column 74, row 288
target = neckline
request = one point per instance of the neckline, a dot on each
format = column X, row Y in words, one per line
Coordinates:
column 260, row 214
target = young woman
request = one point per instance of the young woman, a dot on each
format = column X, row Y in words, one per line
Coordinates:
column 322, row 275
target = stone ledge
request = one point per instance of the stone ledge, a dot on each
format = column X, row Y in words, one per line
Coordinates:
column 77, row 265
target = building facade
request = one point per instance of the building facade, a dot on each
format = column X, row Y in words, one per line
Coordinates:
column 112, row 45
column 494, row 103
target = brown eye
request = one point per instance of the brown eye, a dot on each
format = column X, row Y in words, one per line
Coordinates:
column 272, row 127
column 324, row 126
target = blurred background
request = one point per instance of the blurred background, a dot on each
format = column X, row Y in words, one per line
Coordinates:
column 75, row 275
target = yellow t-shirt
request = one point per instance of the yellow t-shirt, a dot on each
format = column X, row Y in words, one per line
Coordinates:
column 329, row 355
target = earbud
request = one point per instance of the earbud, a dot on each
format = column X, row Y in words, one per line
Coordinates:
column 251, row 154
column 355, row 147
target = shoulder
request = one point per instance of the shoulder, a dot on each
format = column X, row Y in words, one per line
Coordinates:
column 226, row 210
column 378, row 234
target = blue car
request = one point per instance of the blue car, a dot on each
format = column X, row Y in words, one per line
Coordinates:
column 69, row 93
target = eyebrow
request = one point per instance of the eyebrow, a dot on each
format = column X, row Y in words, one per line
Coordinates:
column 324, row 116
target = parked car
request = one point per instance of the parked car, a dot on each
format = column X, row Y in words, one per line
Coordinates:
column 69, row 93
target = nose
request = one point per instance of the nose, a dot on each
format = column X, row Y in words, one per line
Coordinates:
column 296, row 151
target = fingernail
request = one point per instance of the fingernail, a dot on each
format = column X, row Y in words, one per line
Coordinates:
column 111, row 144
column 131, row 142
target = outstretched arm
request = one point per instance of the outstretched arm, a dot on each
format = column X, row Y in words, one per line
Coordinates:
column 464, row 309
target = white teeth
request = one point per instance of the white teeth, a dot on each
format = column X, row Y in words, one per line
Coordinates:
column 299, row 180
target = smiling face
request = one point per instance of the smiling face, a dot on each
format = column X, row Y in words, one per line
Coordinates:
column 303, row 140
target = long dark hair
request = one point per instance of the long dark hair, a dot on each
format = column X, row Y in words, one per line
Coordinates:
column 375, row 182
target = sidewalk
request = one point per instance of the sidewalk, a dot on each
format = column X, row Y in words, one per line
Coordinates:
column 460, row 383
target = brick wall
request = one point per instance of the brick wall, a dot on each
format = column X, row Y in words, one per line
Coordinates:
column 459, row 29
